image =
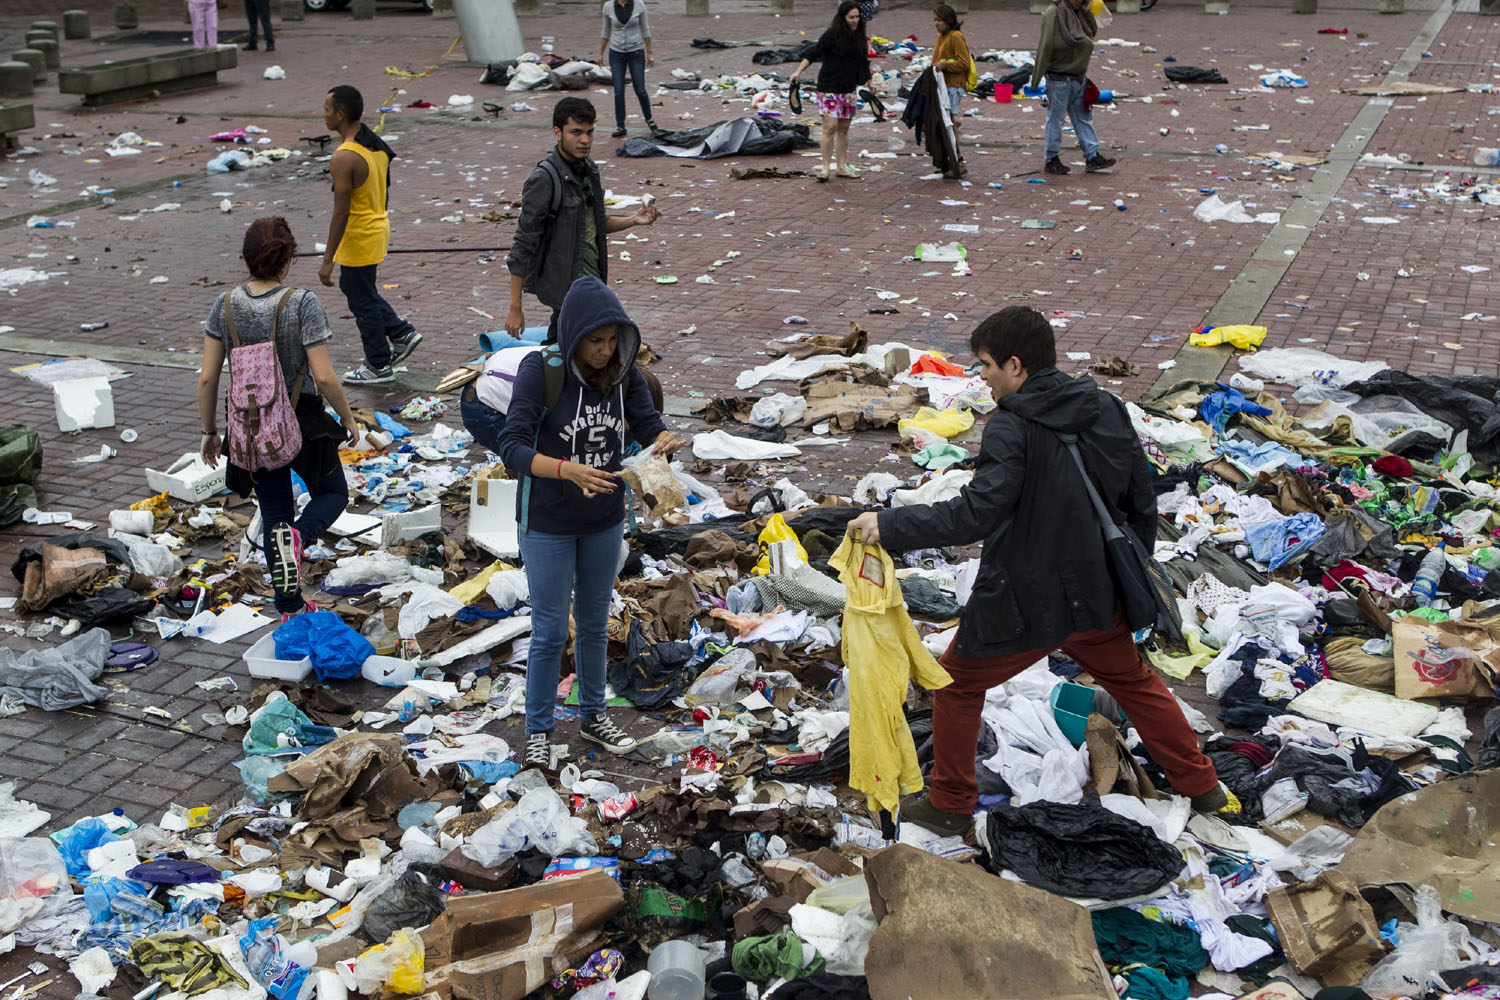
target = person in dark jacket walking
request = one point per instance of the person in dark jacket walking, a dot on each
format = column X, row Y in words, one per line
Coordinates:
column 570, row 507
column 553, row 248
column 1044, row 579
column 1062, row 56
column 844, row 52
column 258, row 12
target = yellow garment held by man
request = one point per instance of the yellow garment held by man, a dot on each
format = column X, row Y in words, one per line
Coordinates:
column 883, row 653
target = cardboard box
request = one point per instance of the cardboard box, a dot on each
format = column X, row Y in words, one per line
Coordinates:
column 492, row 515
column 83, row 403
column 1424, row 668
column 1328, row 930
column 188, row 479
column 504, row 945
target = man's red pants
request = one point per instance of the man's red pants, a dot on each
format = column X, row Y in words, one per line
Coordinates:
column 1111, row 658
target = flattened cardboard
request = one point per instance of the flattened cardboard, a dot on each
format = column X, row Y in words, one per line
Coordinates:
column 1443, row 836
column 504, row 945
column 953, row 930
column 1419, row 676
column 1327, row 929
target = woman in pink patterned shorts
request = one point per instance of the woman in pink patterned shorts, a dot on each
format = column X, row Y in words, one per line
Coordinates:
column 844, row 53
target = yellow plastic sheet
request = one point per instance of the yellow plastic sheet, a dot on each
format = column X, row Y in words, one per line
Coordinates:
column 947, row 423
column 470, row 589
column 883, row 652
column 1246, row 338
column 1199, row 656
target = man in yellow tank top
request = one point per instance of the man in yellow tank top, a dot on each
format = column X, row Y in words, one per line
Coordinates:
column 360, row 233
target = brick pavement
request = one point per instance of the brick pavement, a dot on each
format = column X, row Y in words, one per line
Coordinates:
column 1151, row 271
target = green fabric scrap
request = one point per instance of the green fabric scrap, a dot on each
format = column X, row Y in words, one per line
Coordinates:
column 1126, row 938
column 940, row 456
column 775, row 956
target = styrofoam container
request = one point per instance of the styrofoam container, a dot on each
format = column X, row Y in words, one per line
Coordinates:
column 390, row 671
column 262, row 661
column 188, row 479
column 492, row 517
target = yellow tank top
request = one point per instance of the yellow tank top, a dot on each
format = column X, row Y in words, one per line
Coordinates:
column 368, row 233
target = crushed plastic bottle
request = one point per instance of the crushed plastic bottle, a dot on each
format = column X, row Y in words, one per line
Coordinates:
column 1425, row 586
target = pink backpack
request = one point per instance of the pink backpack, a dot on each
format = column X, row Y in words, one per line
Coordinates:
column 263, row 428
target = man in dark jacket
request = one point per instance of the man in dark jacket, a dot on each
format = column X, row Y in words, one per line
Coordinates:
column 552, row 249
column 1044, row 581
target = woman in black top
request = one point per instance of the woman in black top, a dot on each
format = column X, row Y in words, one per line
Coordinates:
column 844, row 52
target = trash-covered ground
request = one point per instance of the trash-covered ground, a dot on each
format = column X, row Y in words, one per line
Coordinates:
column 374, row 834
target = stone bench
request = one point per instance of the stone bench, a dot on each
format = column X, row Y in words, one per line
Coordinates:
column 14, row 118
column 147, row 76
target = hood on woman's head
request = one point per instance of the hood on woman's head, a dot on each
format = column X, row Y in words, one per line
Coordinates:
column 589, row 305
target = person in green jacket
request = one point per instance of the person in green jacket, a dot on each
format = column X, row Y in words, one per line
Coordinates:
column 1062, row 56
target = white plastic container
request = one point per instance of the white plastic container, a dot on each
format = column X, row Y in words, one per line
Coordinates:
column 388, row 671
column 262, row 661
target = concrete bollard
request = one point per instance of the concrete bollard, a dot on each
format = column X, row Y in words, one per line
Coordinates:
column 778, row 7
column 51, row 54
column 443, row 8
column 48, row 26
column 1392, row 6
column 127, row 16
column 959, row 6
column 76, row 24
column 39, row 36
column 527, row 8
column 1304, row 6
column 1128, row 6
column 293, row 10
column 1040, row 6
column 187, row 13
column 362, row 10
column 36, row 60
column 16, row 79
column 1216, row 6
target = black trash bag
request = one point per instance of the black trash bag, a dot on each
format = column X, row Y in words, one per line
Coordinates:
column 114, row 550
column 1194, row 74
column 826, row 986
column 105, row 605
column 1017, row 79
column 1463, row 402
column 925, row 598
column 775, row 57
column 499, row 72
column 13, row 504
column 709, row 43
column 674, row 539
column 573, row 81
column 1081, row 849
column 651, row 676
column 414, row 901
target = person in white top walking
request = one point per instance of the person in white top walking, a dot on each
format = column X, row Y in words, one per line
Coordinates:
column 627, row 35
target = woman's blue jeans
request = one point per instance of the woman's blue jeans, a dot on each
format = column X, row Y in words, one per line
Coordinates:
column 563, row 571
column 635, row 62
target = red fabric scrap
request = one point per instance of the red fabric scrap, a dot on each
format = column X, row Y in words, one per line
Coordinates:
column 1393, row 465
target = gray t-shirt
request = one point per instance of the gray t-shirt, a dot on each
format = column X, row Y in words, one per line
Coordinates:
column 303, row 324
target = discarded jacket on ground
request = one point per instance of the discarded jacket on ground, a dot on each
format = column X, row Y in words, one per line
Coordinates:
column 774, row 57
column 650, row 676
column 1194, row 74
column 1080, row 850
column 738, row 136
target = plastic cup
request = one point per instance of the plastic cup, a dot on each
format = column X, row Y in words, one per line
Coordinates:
column 677, row 972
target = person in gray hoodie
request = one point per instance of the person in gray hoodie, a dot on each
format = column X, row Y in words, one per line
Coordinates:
column 627, row 34
column 571, row 507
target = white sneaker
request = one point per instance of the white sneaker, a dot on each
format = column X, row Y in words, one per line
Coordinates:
column 365, row 375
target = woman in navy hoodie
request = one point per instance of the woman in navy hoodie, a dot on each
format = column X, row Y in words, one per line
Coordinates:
column 571, row 507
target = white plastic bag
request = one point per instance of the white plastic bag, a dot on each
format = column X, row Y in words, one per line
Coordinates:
column 1294, row 365
column 539, row 820
column 373, row 568
column 508, row 588
column 425, row 604
column 779, row 410
column 17, row 817
column 1426, row 948
column 154, row 560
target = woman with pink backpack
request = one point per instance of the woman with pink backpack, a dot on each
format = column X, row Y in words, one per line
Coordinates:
column 281, row 380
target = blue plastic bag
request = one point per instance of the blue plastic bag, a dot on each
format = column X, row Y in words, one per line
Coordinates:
column 337, row 651
column 85, row 835
column 265, row 955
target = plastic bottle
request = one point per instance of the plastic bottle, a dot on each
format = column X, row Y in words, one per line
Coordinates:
column 118, row 822
column 1428, row 574
column 1119, row 204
